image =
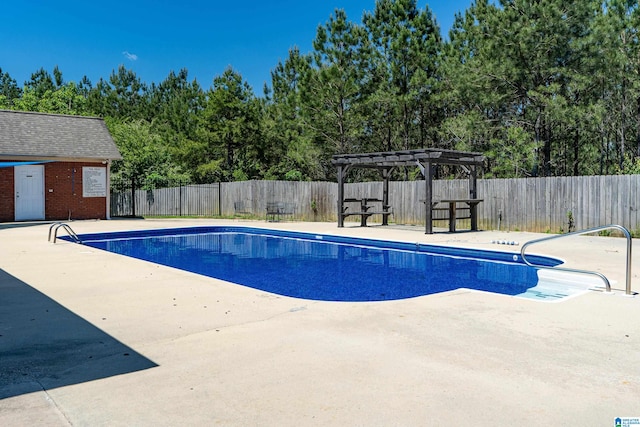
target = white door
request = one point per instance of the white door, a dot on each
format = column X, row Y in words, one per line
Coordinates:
column 29, row 192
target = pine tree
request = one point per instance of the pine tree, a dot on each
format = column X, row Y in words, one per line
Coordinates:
column 229, row 147
column 405, row 47
column 9, row 90
column 291, row 152
column 332, row 93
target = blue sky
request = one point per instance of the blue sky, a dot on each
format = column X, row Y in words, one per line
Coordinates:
column 153, row 37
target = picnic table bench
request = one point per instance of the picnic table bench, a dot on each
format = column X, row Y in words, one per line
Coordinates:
column 467, row 204
column 365, row 210
column 276, row 210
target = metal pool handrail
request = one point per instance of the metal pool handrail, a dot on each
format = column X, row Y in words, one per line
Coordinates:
column 56, row 225
column 573, row 270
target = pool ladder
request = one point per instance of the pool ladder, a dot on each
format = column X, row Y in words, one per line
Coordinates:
column 58, row 225
column 573, row 270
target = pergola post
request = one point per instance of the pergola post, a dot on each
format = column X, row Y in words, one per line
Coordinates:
column 428, row 198
column 386, row 172
column 341, row 173
column 473, row 194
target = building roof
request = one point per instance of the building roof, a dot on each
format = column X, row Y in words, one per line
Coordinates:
column 31, row 136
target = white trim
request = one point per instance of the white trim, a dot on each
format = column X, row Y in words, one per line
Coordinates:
column 108, row 201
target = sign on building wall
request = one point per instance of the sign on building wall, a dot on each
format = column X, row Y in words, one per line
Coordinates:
column 94, row 182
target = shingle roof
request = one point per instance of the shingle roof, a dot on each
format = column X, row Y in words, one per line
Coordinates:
column 53, row 136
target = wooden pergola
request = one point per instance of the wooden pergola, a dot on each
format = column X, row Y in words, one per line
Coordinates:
column 425, row 159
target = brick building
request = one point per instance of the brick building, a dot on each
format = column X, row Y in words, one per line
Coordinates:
column 54, row 167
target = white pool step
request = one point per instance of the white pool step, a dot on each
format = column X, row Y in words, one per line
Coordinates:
column 554, row 285
column 566, row 278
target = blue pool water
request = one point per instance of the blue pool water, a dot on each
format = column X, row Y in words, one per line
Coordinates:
column 324, row 267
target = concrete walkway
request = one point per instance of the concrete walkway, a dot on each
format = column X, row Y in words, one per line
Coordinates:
column 90, row 338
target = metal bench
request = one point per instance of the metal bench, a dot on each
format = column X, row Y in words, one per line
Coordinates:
column 276, row 210
column 240, row 208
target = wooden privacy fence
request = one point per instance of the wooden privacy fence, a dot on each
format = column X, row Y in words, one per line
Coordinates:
column 181, row 200
column 555, row 204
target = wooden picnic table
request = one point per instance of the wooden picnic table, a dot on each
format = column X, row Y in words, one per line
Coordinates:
column 365, row 212
column 471, row 205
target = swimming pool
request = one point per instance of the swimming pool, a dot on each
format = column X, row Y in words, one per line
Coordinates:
column 326, row 267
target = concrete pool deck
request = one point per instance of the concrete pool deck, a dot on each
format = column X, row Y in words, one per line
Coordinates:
column 94, row 338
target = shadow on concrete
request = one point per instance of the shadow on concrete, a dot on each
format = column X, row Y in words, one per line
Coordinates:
column 43, row 345
column 8, row 225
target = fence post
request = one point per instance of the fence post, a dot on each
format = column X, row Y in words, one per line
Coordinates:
column 133, row 196
column 219, row 199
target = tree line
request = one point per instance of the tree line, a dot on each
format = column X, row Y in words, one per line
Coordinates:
column 541, row 87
